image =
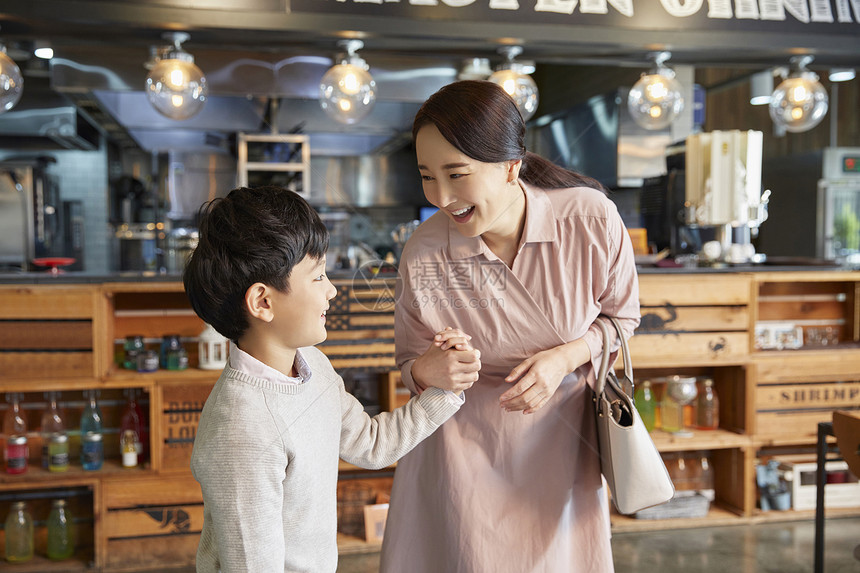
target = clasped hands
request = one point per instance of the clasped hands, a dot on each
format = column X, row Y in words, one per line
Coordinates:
column 452, row 363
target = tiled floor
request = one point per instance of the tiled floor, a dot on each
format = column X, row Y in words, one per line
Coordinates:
column 768, row 548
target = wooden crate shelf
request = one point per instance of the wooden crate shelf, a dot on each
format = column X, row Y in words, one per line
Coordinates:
column 715, row 517
column 696, row 324
column 700, row 440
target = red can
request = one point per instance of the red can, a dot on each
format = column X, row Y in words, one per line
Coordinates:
column 17, row 454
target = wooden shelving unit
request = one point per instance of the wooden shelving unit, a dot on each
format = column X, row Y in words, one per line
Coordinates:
column 716, row 516
column 280, row 159
column 698, row 325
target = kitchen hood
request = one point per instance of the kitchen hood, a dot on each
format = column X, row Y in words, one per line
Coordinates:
column 47, row 120
column 63, row 127
column 242, row 87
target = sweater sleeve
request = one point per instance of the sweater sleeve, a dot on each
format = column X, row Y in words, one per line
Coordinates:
column 379, row 441
column 240, row 463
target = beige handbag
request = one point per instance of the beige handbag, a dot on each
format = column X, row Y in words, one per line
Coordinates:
column 629, row 460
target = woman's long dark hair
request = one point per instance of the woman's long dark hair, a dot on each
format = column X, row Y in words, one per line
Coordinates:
column 481, row 120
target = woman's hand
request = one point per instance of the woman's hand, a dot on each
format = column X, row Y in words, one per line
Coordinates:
column 538, row 377
column 450, row 363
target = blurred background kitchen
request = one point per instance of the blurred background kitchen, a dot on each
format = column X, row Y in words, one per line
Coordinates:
column 92, row 170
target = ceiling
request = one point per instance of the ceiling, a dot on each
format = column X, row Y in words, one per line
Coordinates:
column 263, row 52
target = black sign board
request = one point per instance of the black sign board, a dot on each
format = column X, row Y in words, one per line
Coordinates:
column 782, row 16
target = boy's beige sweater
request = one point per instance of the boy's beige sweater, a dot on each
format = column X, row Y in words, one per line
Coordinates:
column 266, row 456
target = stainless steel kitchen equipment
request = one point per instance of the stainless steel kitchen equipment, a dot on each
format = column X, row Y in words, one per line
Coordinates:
column 337, row 223
column 838, row 214
column 30, row 213
column 723, row 191
column 137, row 247
column 600, row 139
column 181, row 243
column 810, row 219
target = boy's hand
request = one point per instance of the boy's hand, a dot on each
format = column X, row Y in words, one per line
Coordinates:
column 450, row 363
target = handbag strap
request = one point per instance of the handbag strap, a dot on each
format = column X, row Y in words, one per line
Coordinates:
column 607, row 345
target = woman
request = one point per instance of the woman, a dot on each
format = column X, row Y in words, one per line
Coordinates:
column 523, row 256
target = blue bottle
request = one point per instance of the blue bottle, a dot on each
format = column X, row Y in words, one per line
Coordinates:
column 92, row 446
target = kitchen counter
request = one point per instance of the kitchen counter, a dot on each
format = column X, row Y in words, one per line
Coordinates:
column 72, row 277
column 43, row 278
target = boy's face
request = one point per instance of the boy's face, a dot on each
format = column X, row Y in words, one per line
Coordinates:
column 300, row 314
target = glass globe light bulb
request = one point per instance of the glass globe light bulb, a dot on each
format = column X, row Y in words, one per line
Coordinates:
column 519, row 86
column 11, row 82
column 348, row 91
column 176, row 87
column 799, row 103
column 656, row 99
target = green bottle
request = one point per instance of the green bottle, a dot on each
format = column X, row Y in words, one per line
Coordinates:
column 19, row 533
column 646, row 405
column 61, row 534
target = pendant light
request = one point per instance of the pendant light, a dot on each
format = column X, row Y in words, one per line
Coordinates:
column 176, row 87
column 11, row 81
column 799, row 103
column 347, row 90
column 514, row 78
column 656, row 99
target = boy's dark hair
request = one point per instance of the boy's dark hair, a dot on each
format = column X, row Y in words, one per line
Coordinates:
column 249, row 236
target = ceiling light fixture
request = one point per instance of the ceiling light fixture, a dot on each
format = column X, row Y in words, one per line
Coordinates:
column 347, row 90
column 11, row 81
column 799, row 103
column 761, row 87
column 515, row 80
column 657, row 98
column 176, row 87
column 841, row 75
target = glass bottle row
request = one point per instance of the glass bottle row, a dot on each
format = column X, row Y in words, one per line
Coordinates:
column 677, row 403
column 55, row 439
column 20, row 534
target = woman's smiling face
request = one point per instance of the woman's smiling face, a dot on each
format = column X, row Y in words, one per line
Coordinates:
column 475, row 195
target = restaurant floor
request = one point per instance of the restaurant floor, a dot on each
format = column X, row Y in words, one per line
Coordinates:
column 786, row 547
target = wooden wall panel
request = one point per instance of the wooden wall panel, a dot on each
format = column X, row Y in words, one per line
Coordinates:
column 727, row 107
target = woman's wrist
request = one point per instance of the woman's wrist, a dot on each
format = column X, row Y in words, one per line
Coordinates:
column 415, row 380
column 576, row 354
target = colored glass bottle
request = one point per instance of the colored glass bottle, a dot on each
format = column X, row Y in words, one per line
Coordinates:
column 680, row 391
column 19, row 533
column 16, row 451
column 52, row 423
column 646, row 404
column 61, row 532
column 92, row 448
column 133, row 419
column 128, row 445
column 707, row 407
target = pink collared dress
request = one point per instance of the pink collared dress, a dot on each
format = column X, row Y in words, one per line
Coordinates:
column 501, row 492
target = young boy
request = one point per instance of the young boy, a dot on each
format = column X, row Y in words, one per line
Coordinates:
column 271, row 432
